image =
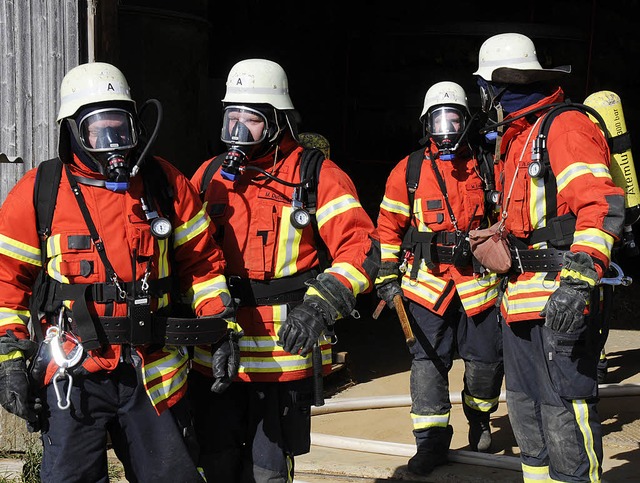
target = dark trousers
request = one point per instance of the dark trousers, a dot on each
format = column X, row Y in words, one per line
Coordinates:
column 252, row 431
column 552, row 396
column 477, row 340
column 150, row 446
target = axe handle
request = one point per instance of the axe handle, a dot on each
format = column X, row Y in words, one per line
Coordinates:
column 404, row 320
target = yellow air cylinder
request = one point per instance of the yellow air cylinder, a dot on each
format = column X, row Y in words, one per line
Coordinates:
column 622, row 169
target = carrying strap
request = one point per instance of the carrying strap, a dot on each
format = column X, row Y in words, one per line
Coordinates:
column 209, row 171
column 310, row 164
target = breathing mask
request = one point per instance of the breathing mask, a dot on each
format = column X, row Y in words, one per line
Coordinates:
column 108, row 135
column 446, row 125
column 245, row 130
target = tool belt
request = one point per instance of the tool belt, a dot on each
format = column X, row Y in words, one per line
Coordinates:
column 163, row 330
column 541, row 260
column 277, row 291
column 432, row 247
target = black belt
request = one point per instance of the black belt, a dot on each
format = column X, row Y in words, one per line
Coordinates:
column 543, row 260
column 165, row 330
column 107, row 292
column 276, row 291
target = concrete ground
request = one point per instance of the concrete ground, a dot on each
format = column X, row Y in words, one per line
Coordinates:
column 373, row 445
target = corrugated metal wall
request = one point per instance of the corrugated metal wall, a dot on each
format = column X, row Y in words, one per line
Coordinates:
column 39, row 42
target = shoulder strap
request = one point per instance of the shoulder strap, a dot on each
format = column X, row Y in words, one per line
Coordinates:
column 414, row 166
column 551, row 188
column 209, row 171
column 157, row 187
column 310, row 164
column 45, row 193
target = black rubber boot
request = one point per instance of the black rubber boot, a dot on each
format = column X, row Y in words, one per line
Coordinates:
column 479, row 429
column 433, row 450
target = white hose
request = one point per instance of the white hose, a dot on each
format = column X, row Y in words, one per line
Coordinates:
column 399, row 401
column 399, row 449
column 408, row 450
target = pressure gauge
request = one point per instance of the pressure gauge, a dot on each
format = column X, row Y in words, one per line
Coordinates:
column 161, row 228
column 536, row 169
column 300, row 218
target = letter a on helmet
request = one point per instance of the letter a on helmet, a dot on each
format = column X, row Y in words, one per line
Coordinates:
column 91, row 83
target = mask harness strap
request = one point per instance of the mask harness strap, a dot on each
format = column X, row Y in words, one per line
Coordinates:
column 87, row 331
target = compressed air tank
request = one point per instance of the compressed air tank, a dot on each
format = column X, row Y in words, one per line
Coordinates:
column 622, row 169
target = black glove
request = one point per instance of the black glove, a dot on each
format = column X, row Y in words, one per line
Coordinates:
column 225, row 360
column 304, row 325
column 388, row 282
column 388, row 291
column 564, row 311
column 15, row 393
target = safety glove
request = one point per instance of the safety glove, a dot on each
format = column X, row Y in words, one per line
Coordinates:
column 225, row 360
column 225, row 353
column 564, row 311
column 15, row 391
column 304, row 325
column 326, row 301
column 387, row 282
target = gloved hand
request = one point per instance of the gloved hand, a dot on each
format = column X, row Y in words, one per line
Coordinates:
column 388, row 291
column 564, row 311
column 15, row 393
column 304, row 325
column 225, row 360
column 387, row 282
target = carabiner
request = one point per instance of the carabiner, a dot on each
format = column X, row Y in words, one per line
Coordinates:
column 619, row 279
column 61, row 372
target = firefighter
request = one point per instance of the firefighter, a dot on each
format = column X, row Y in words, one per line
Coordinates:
column 101, row 281
column 426, row 259
column 563, row 215
column 292, row 285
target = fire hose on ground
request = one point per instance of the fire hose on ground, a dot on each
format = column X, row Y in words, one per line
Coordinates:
column 399, row 449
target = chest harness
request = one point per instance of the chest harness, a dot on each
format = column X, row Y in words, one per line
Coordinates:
column 141, row 326
column 450, row 247
column 289, row 289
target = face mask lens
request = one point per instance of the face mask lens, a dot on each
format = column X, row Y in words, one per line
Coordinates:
column 445, row 124
column 243, row 126
column 107, row 130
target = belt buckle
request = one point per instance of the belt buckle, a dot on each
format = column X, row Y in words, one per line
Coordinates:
column 518, row 259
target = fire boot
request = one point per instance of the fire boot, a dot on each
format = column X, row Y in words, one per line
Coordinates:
column 479, row 429
column 433, row 450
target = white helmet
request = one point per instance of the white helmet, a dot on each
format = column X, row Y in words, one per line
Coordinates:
column 89, row 84
column 444, row 93
column 511, row 58
column 258, row 81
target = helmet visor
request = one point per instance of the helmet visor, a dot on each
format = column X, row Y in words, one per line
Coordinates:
column 107, row 130
column 243, row 126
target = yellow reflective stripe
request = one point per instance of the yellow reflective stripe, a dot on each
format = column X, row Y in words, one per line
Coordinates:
column 482, row 405
column 288, row 246
column 537, row 202
column 207, row 290
column 478, row 291
column 163, row 268
column 357, row 280
column 336, row 207
column 192, row 228
column 53, row 245
column 389, row 252
column 393, row 206
column 594, row 238
column 11, row 317
column 431, row 421
column 419, row 215
column 176, row 359
column 535, row 304
column 577, row 276
column 391, row 277
column 581, row 413
column 11, row 356
column 534, row 473
column 574, row 170
column 19, row 251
